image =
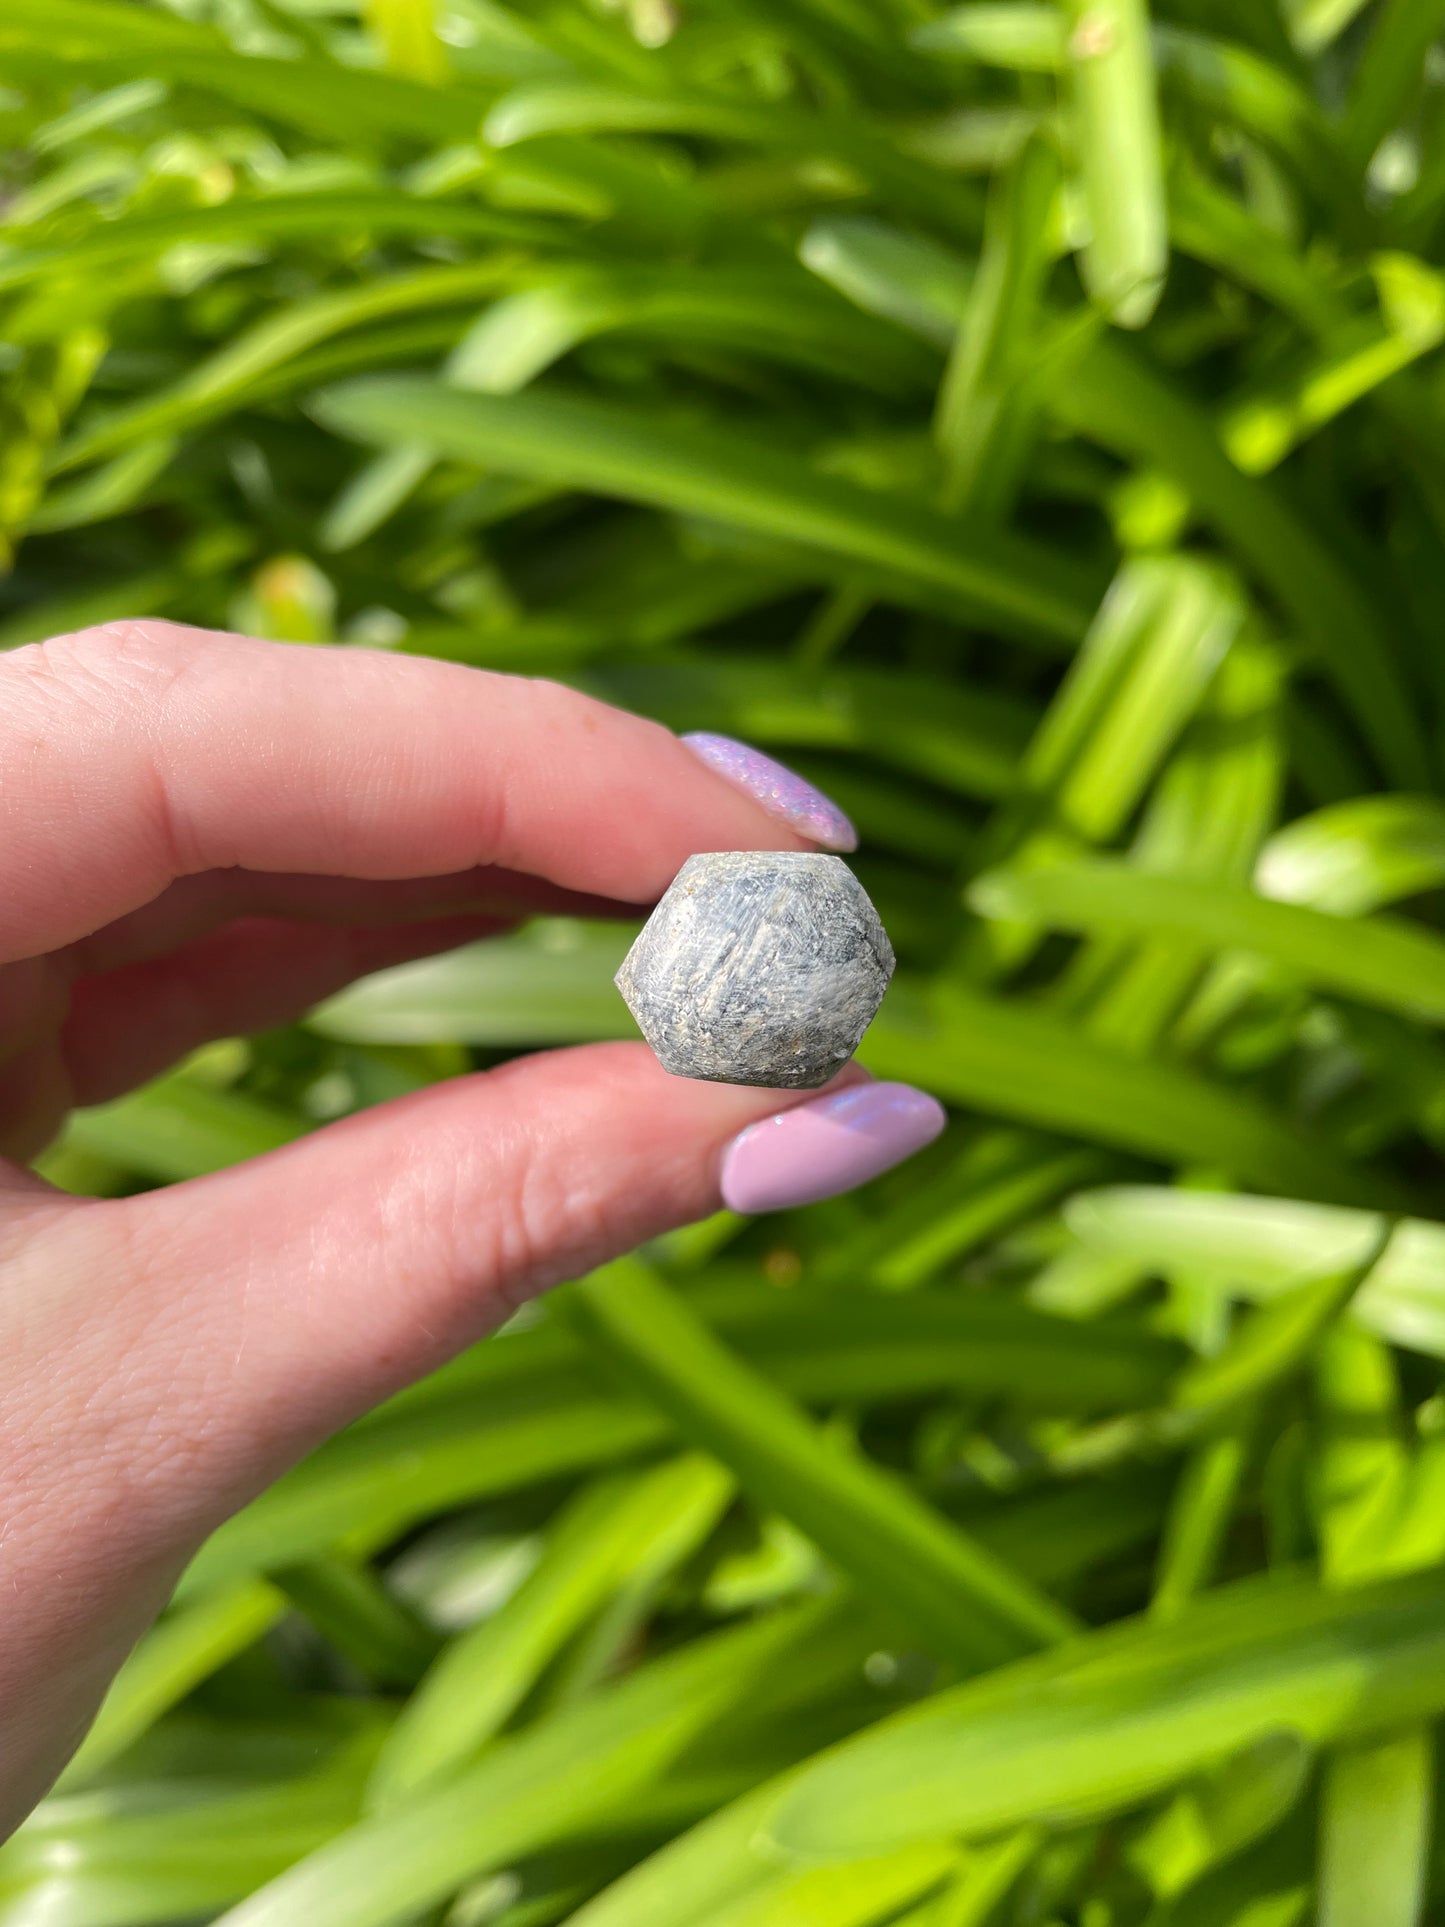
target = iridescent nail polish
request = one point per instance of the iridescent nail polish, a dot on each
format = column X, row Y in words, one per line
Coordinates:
column 827, row 1147
column 781, row 791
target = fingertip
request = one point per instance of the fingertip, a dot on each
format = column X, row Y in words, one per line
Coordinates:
column 827, row 1146
column 785, row 796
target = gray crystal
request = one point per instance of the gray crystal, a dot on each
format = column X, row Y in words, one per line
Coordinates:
column 758, row 967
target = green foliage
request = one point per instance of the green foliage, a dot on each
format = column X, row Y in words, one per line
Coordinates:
column 1027, row 418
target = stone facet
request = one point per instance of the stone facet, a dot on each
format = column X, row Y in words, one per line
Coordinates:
column 758, row 967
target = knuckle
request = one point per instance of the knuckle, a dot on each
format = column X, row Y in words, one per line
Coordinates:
column 111, row 668
column 490, row 1222
column 114, row 687
column 531, row 1227
column 550, row 1216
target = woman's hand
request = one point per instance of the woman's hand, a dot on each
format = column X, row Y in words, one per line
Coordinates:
column 200, row 835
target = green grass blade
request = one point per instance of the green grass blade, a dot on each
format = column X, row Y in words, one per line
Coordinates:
column 1266, row 424
column 265, row 221
column 372, row 496
column 1010, row 1060
column 986, row 1878
column 861, row 1894
column 611, row 451
column 1168, row 632
column 178, row 1128
column 1260, row 1247
column 1219, row 1813
column 1215, row 228
column 220, row 382
column 1028, row 39
column 786, row 315
column 689, row 1881
column 1313, row 24
column 1207, row 817
column 1200, row 1512
column 1415, row 1530
column 542, row 1786
column 1259, row 97
column 976, row 422
column 1160, row 635
column 1376, row 1800
column 1111, row 68
column 117, row 1857
column 589, row 107
column 1114, row 397
column 484, row 1675
column 407, row 32
column 109, row 491
column 824, row 1346
column 925, row 1249
column 188, row 1645
column 1357, row 856
column 321, row 97
column 1128, row 1711
column 1105, row 393
column 900, row 277
column 1362, row 1465
column 363, row 1490
column 1375, row 1818
column 1382, row 961
column 919, row 725
column 351, row 1608
column 512, row 1413
column 1390, row 74
column 570, row 108
column 113, row 107
column 75, row 29
column 551, row 984
column 1276, row 1340
column 965, row 1603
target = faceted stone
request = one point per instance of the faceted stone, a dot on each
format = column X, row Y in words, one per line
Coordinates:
column 758, row 967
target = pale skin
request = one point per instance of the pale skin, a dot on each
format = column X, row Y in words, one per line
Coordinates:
column 200, row 836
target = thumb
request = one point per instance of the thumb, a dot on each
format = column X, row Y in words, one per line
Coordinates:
column 281, row 1298
column 164, row 1357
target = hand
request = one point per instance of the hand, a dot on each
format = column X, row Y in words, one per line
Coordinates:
column 201, row 835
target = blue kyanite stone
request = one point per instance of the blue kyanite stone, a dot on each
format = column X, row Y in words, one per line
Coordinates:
column 758, row 967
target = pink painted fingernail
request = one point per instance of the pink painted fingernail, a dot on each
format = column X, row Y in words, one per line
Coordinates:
column 781, row 791
column 827, row 1147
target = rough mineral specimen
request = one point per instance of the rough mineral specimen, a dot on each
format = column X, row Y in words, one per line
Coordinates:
column 758, row 967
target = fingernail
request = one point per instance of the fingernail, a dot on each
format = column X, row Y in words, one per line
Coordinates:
column 781, row 791
column 827, row 1147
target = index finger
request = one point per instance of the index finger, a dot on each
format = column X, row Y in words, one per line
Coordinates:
column 142, row 752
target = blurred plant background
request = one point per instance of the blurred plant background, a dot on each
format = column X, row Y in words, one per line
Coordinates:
column 1028, row 420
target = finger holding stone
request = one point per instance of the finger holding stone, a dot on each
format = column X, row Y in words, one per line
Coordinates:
column 145, row 751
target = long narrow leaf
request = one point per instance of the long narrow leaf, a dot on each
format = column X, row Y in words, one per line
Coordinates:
column 1128, row 1711
column 539, row 1787
column 588, row 445
column 1379, row 960
column 1120, row 144
column 967, row 1604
